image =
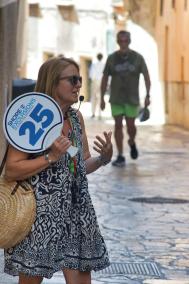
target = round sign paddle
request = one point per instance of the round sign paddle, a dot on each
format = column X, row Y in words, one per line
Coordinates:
column 32, row 122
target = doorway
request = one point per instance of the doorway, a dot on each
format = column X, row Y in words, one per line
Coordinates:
column 85, row 63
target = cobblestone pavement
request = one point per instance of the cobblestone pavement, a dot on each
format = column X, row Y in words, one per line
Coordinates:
column 141, row 209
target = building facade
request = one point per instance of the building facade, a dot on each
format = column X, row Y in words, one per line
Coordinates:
column 80, row 29
column 8, row 31
column 172, row 22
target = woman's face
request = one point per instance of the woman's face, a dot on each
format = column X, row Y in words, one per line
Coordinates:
column 67, row 90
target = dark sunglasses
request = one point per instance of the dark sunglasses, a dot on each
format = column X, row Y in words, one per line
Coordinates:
column 72, row 79
column 123, row 40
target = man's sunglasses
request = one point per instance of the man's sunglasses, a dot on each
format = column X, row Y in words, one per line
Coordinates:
column 72, row 79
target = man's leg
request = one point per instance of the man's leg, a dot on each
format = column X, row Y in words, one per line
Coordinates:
column 98, row 102
column 118, row 135
column 131, row 130
column 93, row 97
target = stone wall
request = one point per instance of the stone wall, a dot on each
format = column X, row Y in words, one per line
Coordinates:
column 143, row 13
column 177, row 101
column 172, row 22
column 8, row 24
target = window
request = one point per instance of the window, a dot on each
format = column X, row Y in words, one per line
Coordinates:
column 161, row 7
column 34, row 10
column 47, row 55
column 68, row 13
column 185, row 4
column 173, row 4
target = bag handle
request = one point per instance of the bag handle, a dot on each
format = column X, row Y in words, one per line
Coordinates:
column 3, row 161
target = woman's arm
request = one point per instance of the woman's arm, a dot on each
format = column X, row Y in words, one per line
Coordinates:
column 20, row 167
column 102, row 146
column 94, row 163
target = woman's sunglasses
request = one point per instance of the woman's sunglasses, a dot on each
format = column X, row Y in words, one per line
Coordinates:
column 72, row 79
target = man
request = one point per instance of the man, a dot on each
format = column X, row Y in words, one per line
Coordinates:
column 124, row 66
column 95, row 74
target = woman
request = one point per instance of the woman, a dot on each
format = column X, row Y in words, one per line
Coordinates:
column 65, row 235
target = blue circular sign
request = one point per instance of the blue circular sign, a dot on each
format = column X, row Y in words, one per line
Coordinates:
column 32, row 122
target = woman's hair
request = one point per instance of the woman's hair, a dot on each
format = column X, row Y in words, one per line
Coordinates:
column 50, row 72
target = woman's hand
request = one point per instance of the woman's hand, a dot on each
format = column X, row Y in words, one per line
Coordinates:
column 104, row 147
column 59, row 148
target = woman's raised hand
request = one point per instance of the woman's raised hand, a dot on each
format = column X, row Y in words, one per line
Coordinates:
column 104, row 147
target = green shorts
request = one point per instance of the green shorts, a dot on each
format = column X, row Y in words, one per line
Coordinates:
column 127, row 110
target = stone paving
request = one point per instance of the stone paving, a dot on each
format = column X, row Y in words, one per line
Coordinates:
column 154, row 231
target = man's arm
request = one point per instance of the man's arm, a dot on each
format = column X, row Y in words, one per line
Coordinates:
column 103, row 87
column 144, row 71
column 147, row 82
column 148, row 85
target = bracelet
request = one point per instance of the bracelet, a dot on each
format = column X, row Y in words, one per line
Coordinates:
column 147, row 95
column 46, row 156
column 102, row 161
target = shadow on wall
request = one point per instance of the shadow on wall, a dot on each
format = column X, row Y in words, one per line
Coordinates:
column 143, row 42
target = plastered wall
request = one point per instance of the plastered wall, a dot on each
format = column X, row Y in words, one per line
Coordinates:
column 8, row 24
column 172, row 24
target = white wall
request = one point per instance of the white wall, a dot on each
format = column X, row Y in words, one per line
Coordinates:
column 51, row 33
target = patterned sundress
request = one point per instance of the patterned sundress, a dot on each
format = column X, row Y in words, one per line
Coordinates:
column 65, row 233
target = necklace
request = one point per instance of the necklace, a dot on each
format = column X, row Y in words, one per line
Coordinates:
column 69, row 132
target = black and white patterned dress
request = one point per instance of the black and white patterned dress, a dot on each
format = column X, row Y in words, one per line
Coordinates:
column 65, row 233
